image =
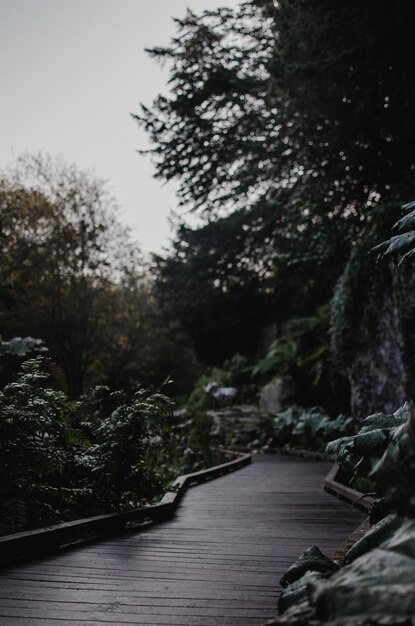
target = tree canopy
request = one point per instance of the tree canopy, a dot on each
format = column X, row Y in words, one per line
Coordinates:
column 289, row 129
column 71, row 274
column 316, row 99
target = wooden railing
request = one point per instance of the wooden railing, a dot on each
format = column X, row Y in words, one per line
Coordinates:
column 35, row 542
column 356, row 498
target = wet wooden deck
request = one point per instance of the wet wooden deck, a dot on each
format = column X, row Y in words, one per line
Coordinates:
column 216, row 563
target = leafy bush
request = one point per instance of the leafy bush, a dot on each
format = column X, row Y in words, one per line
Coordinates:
column 13, row 352
column 244, row 427
column 302, row 355
column 33, row 451
column 400, row 246
column 304, row 346
column 123, row 444
column 279, row 358
column 199, row 400
column 191, row 445
column 308, row 429
column 235, row 372
column 108, row 451
column 381, row 436
column 394, row 473
column 376, row 582
column 60, row 459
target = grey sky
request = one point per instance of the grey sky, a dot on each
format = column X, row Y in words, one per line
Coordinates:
column 71, row 72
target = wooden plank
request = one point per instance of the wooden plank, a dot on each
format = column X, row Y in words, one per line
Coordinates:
column 218, row 561
column 100, row 609
column 49, row 615
column 33, row 542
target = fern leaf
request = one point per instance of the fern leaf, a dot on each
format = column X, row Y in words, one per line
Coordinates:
column 408, row 221
column 408, row 205
column 406, row 257
column 14, row 514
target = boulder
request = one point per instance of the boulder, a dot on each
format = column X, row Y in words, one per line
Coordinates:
column 273, row 396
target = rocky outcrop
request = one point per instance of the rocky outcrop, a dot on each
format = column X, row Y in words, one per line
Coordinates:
column 368, row 341
column 273, row 396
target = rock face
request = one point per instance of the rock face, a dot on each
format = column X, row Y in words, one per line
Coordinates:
column 367, row 334
column 273, row 396
column 378, row 375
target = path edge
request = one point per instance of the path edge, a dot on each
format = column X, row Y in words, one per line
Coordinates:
column 26, row 544
column 357, row 499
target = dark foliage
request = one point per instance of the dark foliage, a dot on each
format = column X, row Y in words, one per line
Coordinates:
column 62, row 459
column 288, row 127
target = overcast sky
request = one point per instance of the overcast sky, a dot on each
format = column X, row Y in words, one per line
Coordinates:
column 71, row 73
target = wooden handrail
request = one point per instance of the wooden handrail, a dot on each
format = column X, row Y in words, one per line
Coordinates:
column 34, row 542
column 356, row 498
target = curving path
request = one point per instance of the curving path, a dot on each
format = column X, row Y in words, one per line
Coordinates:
column 218, row 562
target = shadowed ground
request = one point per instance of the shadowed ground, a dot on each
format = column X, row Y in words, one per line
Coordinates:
column 218, row 562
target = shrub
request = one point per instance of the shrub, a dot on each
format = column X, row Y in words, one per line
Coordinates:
column 123, row 445
column 308, row 428
column 235, row 372
column 359, row 455
column 61, row 459
column 299, row 428
column 192, row 444
column 401, row 246
column 33, row 450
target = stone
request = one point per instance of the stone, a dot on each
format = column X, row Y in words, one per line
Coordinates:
column 273, row 396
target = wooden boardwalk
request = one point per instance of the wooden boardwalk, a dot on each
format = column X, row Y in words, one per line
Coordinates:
column 216, row 563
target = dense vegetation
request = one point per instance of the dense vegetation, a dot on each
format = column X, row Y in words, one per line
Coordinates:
column 289, row 130
column 107, row 451
column 71, row 275
column 62, row 459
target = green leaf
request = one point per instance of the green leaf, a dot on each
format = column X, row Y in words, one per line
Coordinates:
column 408, row 221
